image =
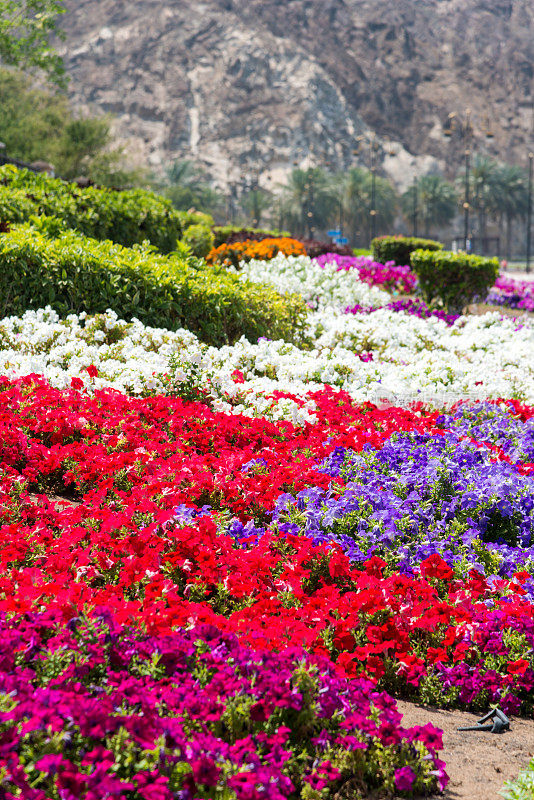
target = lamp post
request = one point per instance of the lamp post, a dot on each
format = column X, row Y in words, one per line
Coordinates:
column 465, row 130
column 373, row 148
column 466, row 198
column 529, row 209
column 414, row 211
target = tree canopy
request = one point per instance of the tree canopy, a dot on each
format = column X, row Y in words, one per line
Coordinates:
column 26, row 27
column 436, row 202
column 36, row 124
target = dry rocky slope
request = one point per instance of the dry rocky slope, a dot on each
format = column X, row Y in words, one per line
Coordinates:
column 299, row 79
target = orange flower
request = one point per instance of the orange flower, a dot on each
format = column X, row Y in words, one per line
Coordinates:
column 231, row 254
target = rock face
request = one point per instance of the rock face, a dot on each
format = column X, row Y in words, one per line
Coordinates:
column 244, row 84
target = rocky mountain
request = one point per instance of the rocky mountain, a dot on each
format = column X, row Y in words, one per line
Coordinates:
column 243, row 85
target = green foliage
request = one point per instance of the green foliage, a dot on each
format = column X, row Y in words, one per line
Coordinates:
column 200, row 239
column 188, row 218
column 127, row 217
column 362, row 251
column 456, row 279
column 436, row 201
column 31, row 121
column 234, row 233
column 308, row 201
column 73, row 273
column 15, row 206
column 523, row 787
column 399, row 248
column 254, row 203
column 355, row 193
column 26, row 27
column 37, row 124
column 186, row 185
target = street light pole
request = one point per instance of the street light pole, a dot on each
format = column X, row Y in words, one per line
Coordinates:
column 373, row 147
column 466, row 199
column 415, row 206
column 529, row 209
column 373, row 189
column 466, row 131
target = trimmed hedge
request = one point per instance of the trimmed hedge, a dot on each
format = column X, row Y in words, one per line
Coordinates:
column 15, row 207
column 127, row 218
column 230, row 234
column 456, row 279
column 73, row 273
column 399, row 248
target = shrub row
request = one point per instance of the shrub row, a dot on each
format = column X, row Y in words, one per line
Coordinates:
column 73, row 273
column 126, row 217
column 230, row 234
column 398, row 248
column 456, row 279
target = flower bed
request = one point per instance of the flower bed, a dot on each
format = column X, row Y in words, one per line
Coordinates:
column 384, row 355
column 171, row 527
column 324, row 286
column 389, row 276
column 265, row 249
column 100, row 711
column 410, row 306
column 214, row 562
column 513, row 294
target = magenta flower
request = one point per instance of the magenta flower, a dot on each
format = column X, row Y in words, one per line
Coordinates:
column 404, row 779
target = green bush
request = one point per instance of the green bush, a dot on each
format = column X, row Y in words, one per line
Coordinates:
column 200, row 239
column 15, row 207
column 127, row 218
column 188, row 218
column 73, row 273
column 236, row 233
column 399, row 248
column 456, row 279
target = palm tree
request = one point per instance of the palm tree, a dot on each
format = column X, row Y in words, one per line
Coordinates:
column 308, row 201
column 436, row 201
column 186, row 185
column 357, row 190
column 510, row 199
column 255, row 203
column 483, row 188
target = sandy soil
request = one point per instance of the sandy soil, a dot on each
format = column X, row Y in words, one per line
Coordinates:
column 478, row 764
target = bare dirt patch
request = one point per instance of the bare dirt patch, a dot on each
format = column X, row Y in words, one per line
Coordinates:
column 478, row 764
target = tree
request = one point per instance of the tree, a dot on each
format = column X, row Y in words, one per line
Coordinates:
column 509, row 199
column 26, row 27
column 308, row 201
column 436, row 202
column 357, row 191
column 31, row 121
column 255, row 203
column 39, row 125
column 483, row 189
column 186, row 185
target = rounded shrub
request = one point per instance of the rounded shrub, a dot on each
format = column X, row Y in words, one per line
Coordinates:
column 456, row 279
column 399, row 248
